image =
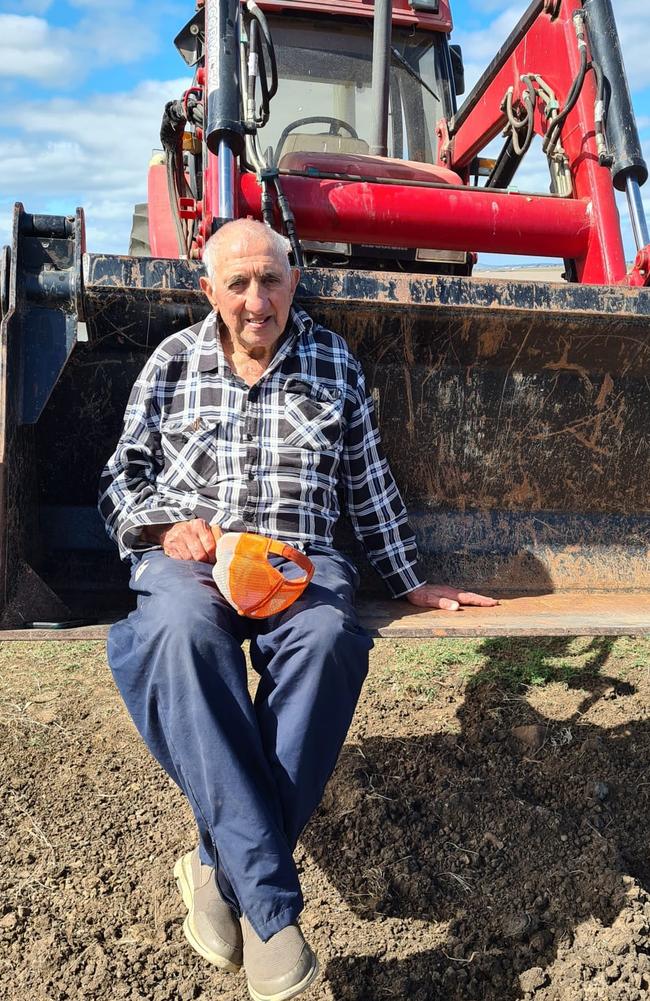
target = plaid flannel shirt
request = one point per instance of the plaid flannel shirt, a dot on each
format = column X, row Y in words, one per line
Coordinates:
column 198, row 442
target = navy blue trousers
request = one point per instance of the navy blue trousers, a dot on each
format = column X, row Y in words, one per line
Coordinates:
column 253, row 770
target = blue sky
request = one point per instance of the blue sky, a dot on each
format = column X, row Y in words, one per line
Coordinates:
column 83, row 84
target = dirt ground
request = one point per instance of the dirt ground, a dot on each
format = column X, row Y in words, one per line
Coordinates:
column 485, row 836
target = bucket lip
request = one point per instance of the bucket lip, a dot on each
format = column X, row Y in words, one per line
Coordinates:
column 568, row 613
column 171, row 282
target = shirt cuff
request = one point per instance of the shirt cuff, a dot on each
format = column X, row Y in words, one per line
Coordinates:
column 407, row 579
column 129, row 534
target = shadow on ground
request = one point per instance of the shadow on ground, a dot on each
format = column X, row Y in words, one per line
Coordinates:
column 512, row 832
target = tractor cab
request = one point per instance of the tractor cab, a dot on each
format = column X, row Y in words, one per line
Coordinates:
column 311, row 108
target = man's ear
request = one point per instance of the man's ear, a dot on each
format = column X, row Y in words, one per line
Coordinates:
column 206, row 286
column 295, row 278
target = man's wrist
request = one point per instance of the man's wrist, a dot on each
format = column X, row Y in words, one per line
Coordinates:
column 154, row 534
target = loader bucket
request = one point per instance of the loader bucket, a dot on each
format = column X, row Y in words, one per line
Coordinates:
column 514, row 415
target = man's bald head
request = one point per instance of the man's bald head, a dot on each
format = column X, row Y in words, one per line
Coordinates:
column 240, row 235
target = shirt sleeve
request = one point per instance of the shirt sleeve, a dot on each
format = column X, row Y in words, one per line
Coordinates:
column 128, row 496
column 374, row 503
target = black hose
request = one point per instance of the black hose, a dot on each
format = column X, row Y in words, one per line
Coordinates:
column 171, row 136
column 553, row 134
column 265, row 108
column 259, row 17
column 289, row 223
column 181, row 237
column 505, row 167
column 605, row 158
column 267, row 204
column 253, row 32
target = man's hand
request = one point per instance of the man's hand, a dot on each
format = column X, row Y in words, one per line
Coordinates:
column 186, row 540
column 449, row 598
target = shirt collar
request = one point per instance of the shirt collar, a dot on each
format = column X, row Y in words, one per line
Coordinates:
column 209, row 355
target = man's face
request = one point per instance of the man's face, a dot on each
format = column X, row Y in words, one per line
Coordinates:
column 252, row 291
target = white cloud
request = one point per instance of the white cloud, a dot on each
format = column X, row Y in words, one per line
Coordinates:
column 111, row 37
column 92, row 153
column 33, row 49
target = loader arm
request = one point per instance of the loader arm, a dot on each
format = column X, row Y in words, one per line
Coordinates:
column 546, row 69
column 548, row 79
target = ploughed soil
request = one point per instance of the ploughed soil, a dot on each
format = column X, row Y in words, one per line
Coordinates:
column 485, row 836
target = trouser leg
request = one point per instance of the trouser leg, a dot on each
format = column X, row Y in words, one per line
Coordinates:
column 312, row 661
column 178, row 663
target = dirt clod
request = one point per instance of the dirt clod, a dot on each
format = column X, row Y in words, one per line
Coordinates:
column 531, row 737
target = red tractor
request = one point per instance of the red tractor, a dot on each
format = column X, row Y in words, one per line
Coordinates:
column 514, row 412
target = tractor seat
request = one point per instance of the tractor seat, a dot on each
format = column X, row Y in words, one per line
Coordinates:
column 310, row 142
column 363, row 165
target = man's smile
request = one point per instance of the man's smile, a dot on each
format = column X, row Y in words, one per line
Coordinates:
column 258, row 322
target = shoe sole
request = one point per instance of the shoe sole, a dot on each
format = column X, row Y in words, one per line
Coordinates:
column 290, row 992
column 183, row 876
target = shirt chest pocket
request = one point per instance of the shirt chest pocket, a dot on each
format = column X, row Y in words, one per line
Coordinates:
column 190, row 452
column 313, row 415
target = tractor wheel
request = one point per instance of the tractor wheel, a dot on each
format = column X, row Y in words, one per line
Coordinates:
column 139, row 245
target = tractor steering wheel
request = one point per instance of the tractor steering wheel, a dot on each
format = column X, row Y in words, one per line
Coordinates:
column 335, row 126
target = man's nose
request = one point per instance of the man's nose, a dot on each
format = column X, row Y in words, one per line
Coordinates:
column 256, row 297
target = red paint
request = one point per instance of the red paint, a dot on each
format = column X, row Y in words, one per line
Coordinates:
column 189, row 208
column 438, row 218
column 162, row 233
column 403, row 13
column 585, row 228
column 604, row 259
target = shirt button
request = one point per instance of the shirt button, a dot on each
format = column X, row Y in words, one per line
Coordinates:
column 253, row 394
column 249, row 436
column 251, row 474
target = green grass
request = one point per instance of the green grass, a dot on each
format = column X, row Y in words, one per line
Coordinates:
column 418, row 668
column 513, row 663
column 30, row 666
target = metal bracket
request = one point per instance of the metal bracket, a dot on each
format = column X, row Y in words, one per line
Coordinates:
column 639, row 276
column 46, row 288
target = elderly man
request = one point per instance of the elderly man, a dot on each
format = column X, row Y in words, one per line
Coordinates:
column 254, row 420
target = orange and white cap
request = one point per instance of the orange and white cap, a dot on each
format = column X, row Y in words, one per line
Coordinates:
column 249, row 582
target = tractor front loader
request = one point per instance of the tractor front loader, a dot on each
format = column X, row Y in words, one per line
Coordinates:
column 514, row 412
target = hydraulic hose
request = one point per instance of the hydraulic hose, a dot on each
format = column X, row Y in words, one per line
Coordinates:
column 553, row 135
column 622, row 133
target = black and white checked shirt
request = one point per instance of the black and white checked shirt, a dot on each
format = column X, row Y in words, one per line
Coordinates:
column 198, row 442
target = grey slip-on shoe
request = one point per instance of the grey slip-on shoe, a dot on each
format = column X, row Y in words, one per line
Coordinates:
column 279, row 969
column 211, row 927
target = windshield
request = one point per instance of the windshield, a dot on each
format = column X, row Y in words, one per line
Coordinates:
column 325, row 69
